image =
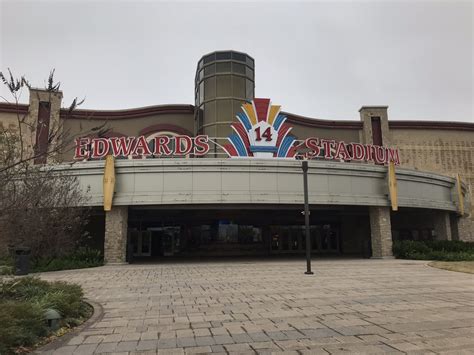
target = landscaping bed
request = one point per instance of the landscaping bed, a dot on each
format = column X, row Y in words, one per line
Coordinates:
column 81, row 258
column 24, row 305
column 443, row 250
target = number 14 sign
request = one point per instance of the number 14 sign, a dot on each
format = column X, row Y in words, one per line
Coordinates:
column 260, row 132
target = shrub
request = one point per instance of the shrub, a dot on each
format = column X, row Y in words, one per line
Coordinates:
column 445, row 250
column 23, row 304
column 6, row 265
column 65, row 298
column 23, row 289
column 81, row 258
column 22, row 324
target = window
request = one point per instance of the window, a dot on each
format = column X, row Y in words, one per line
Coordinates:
column 249, row 72
column 209, row 58
column 224, row 110
column 209, row 70
column 223, row 55
column 250, row 62
column 238, row 86
column 210, row 88
column 238, row 68
column 210, row 111
column 223, row 67
column 224, row 85
column 201, row 93
column 249, row 89
column 238, row 56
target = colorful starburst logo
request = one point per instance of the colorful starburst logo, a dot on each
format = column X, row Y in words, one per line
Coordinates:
column 260, row 132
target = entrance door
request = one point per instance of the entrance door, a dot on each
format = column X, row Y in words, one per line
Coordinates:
column 292, row 239
column 141, row 243
column 165, row 240
column 329, row 239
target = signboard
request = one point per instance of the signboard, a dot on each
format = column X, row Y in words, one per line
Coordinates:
column 261, row 131
column 96, row 148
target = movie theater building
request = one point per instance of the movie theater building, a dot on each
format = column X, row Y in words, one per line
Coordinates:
column 224, row 176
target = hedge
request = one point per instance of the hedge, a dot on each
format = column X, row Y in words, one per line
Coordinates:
column 445, row 250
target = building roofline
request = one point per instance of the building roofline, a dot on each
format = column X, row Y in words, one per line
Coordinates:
column 445, row 125
column 128, row 113
column 7, row 107
column 189, row 109
column 321, row 123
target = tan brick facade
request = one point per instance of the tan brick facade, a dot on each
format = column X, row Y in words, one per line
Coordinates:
column 448, row 152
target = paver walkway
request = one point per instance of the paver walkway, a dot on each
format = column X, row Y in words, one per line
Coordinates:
column 348, row 306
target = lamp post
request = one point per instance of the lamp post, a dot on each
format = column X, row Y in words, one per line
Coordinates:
column 304, row 166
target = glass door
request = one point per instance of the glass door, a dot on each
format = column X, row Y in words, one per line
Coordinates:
column 145, row 248
column 329, row 239
column 166, row 240
column 141, row 243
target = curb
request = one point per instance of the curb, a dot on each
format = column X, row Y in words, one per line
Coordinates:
column 97, row 315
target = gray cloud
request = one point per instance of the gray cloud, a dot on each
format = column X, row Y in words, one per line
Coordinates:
column 319, row 59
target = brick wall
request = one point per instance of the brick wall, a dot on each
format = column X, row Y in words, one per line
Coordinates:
column 441, row 151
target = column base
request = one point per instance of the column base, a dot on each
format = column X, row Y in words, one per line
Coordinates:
column 116, row 264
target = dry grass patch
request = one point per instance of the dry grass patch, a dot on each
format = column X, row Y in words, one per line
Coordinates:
column 460, row 266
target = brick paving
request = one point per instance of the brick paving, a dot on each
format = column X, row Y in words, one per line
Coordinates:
column 270, row 306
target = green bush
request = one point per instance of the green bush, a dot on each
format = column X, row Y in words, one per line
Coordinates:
column 23, row 303
column 81, row 258
column 63, row 297
column 88, row 255
column 22, row 324
column 6, row 265
column 445, row 250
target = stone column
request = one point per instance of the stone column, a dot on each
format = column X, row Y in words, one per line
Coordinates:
column 49, row 124
column 115, row 241
column 381, row 232
column 366, row 114
column 442, row 226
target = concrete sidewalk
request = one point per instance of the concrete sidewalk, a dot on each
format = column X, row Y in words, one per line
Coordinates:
column 348, row 306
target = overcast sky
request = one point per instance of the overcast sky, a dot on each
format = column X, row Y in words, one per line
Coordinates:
column 317, row 59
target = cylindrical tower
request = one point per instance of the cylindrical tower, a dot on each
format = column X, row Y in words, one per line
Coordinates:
column 224, row 80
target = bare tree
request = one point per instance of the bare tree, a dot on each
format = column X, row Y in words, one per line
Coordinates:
column 39, row 205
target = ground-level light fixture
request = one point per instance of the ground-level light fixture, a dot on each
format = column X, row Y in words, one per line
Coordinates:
column 52, row 318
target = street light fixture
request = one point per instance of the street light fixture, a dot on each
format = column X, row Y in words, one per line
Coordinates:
column 304, row 166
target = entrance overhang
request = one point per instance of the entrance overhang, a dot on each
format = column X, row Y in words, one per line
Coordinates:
column 254, row 181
